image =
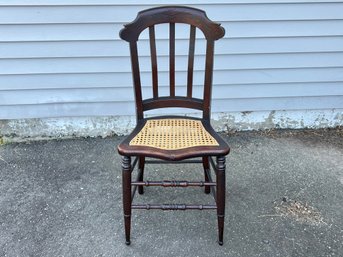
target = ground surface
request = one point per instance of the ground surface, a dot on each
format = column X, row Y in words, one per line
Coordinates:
column 284, row 198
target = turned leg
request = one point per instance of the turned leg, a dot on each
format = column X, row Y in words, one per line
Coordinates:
column 141, row 173
column 126, row 170
column 220, row 197
column 206, row 165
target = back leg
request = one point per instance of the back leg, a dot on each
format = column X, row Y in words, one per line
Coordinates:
column 141, row 165
column 206, row 165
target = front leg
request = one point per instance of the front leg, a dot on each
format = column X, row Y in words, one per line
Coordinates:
column 220, row 197
column 126, row 185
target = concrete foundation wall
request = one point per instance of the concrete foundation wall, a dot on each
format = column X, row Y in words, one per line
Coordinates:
column 34, row 129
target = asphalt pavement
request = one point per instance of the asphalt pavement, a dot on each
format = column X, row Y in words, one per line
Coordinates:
column 284, row 198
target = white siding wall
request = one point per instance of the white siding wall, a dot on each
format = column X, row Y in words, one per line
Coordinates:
column 64, row 58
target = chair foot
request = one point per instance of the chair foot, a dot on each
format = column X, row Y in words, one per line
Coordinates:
column 207, row 190
column 127, row 230
column 140, row 190
column 220, row 230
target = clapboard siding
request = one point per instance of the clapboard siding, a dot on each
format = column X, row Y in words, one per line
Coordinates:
column 103, row 14
column 146, row 3
column 108, row 31
column 115, row 48
column 222, row 62
column 65, row 58
column 222, row 92
column 236, row 77
column 120, row 108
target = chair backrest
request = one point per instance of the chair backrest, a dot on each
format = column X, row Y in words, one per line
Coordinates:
column 172, row 14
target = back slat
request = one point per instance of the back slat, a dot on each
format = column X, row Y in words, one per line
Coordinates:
column 208, row 79
column 190, row 62
column 136, row 79
column 153, row 62
column 177, row 101
column 172, row 58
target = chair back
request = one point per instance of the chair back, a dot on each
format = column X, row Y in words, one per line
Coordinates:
column 147, row 19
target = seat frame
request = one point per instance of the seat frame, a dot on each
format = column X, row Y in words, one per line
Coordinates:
column 212, row 31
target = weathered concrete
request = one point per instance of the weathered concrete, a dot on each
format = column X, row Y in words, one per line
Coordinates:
column 70, row 127
column 63, row 198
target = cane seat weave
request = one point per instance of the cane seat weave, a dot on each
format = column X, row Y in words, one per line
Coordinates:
column 173, row 134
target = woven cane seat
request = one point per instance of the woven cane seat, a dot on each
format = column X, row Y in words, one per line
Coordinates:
column 173, row 134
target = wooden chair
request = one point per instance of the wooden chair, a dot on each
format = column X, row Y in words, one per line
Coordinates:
column 173, row 138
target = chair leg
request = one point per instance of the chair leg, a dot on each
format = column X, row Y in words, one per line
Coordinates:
column 126, row 170
column 206, row 165
column 220, row 197
column 141, row 173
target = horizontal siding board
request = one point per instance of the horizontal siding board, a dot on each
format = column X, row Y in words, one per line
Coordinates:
column 64, row 49
column 278, row 45
column 43, row 96
column 277, row 90
column 124, row 13
column 118, row 108
column 66, row 96
column 155, row 2
column 278, row 76
column 120, row 49
column 284, row 28
column 66, row 110
column 106, row 31
column 222, row 62
column 95, row 80
column 284, row 103
column 59, row 32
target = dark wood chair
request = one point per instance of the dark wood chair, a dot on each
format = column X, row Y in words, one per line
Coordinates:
column 173, row 139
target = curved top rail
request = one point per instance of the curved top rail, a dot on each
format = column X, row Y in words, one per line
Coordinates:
column 172, row 14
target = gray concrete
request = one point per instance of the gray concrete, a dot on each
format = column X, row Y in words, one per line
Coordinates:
column 63, row 198
column 22, row 130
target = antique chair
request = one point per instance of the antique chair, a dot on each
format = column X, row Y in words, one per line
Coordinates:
column 172, row 139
